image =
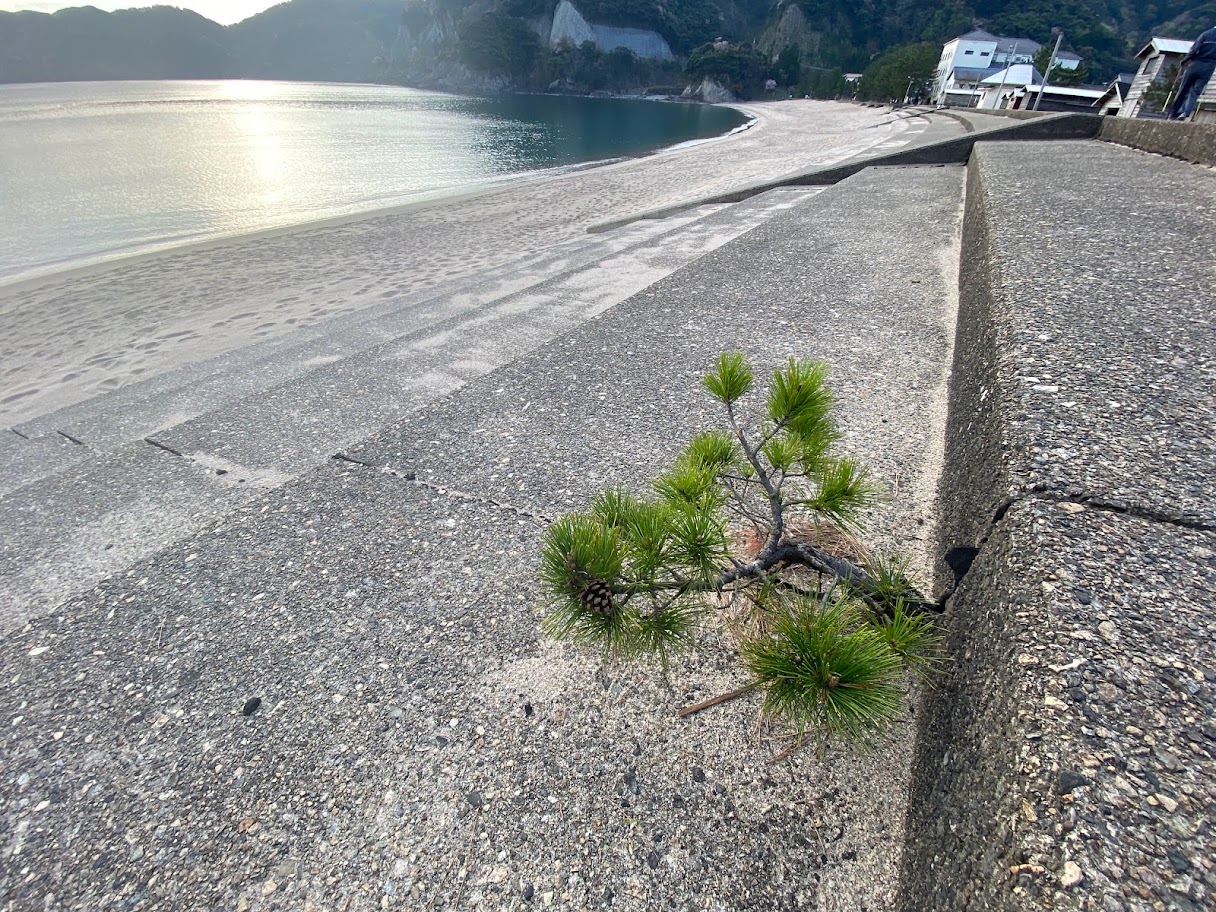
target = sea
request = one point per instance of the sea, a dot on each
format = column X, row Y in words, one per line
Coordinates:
column 94, row 171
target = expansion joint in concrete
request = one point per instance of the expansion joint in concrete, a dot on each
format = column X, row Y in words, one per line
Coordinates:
column 162, row 446
column 444, row 491
column 66, row 436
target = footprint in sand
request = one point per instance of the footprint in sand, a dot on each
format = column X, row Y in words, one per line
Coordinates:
column 19, row 395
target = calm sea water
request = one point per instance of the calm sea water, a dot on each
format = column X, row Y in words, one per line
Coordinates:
column 90, row 171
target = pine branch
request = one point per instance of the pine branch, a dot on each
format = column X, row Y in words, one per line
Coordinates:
column 630, row 575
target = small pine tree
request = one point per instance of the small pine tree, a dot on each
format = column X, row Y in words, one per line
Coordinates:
column 1159, row 93
column 729, row 524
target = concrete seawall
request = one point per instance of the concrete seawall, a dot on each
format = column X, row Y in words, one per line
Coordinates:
column 1069, row 761
column 272, row 641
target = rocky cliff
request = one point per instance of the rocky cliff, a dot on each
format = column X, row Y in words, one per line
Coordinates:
column 569, row 25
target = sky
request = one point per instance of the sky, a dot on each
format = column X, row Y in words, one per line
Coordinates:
column 223, row 11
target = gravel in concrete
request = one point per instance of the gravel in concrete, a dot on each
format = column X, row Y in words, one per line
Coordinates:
column 1065, row 763
column 1106, row 351
column 337, row 695
column 1074, row 751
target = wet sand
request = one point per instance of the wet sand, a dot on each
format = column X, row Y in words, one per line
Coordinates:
column 75, row 335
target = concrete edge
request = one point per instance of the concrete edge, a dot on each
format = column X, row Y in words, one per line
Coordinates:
column 1190, row 142
column 972, row 840
column 938, row 872
column 954, row 151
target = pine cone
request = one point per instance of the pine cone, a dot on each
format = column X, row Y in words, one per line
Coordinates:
column 597, row 596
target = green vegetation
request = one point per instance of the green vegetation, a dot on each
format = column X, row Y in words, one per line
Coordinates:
column 740, row 68
column 496, row 43
column 363, row 39
column 900, row 71
column 1059, row 75
column 744, row 527
column 588, row 69
column 788, row 69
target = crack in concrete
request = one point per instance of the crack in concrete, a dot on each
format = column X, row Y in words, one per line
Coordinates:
column 960, row 558
column 410, row 477
column 162, row 446
column 1147, row 514
column 66, row 436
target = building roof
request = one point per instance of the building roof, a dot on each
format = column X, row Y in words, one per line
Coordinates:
column 1165, row 46
column 1068, row 55
column 974, row 74
column 977, row 35
column 1070, row 91
column 1019, row 74
column 1006, row 45
column 1115, row 93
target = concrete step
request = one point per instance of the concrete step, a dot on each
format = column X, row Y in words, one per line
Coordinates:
column 65, row 529
column 302, row 423
column 408, row 701
column 1081, row 469
column 140, row 409
column 862, row 276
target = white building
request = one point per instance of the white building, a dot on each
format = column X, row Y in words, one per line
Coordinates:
column 999, row 90
column 1156, row 58
column 972, row 51
column 971, row 59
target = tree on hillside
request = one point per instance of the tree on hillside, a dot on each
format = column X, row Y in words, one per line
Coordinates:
column 1089, row 29
column 741, row 68
column 891, row 75
column 498, row 44
column 788, row 68
column 1059, row 75
column 745, row 541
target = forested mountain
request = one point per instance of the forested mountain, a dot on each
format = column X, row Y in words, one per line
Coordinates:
column 385, row 39
column 324, row 40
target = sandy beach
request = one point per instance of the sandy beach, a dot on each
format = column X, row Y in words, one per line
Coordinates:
column 72, row 336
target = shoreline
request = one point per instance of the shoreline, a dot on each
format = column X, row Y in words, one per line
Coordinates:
column 71, row 335
column 114, row 258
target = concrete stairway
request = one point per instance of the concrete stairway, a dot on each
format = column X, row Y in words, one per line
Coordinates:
column 89, row 489
column 1070, row 761
column 417, row 744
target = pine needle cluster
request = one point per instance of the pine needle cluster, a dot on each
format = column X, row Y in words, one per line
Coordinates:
column 641, row 576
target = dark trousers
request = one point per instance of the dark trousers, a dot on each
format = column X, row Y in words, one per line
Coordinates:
column 1194, row 79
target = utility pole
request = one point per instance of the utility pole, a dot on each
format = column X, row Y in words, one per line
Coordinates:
column 1050, row 66
column 1005, row 75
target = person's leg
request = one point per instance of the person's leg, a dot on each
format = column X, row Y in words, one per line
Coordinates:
column 1180, row 95
column 1194, row 90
